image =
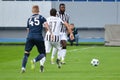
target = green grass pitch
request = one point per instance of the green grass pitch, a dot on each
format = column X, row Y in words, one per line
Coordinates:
column 77, row 65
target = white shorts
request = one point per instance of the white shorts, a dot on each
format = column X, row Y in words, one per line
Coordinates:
column 49, row 45
column 63, row 36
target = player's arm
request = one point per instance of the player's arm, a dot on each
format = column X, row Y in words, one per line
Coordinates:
column 48, row 29
column 69, row 30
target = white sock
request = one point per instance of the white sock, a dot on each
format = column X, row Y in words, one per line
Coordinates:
column 63, row 54
column 42, row 61
column 23, row 68
column 54, row 51
column 59, row 56
column 34, row 60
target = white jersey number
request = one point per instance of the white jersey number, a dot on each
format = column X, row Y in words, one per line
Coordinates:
column 33, row 22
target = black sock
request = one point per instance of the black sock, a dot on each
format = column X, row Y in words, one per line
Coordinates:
column 24, row 62
column 39, row 57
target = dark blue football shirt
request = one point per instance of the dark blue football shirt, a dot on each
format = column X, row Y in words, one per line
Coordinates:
column 35, row 25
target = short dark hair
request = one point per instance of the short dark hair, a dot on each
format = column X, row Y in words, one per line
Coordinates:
column 72, row 24
column 53, row 12
column 62, row 4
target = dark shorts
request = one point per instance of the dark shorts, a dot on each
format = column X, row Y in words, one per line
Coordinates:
column 35, row 41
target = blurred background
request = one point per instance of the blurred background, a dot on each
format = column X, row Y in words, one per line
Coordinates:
column 88, row 16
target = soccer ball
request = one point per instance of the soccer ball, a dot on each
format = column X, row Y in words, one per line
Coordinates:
column 95, row 62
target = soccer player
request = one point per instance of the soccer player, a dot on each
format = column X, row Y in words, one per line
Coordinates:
column 54, row 39
column 64, row 16
column 34, row 29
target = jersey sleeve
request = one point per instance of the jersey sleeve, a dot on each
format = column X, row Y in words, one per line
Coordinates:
column 28, row 23
column 43, row 20
column 61, row 21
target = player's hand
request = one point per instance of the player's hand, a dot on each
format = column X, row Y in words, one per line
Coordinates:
column 71, row 36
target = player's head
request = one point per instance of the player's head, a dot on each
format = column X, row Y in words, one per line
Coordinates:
column 53, row 12
column 62, row 7
column 35, row 9
column 72, row 25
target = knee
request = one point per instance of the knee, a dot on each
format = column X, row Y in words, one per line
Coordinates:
column 64, row 47
column 27, row 52
column 26, row 55
column 43, row 55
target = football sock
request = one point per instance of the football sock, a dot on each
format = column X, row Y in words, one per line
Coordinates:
column 59, row 55
column 54, row 51
column 42, row 61
column 25, row 58
column 39, row 57
column 63, row 54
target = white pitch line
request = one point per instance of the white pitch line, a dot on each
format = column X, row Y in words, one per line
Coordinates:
column 81, row 49
column 106, row 76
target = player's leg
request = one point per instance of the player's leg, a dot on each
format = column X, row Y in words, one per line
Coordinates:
column 28, row 47
column 42, row 61
column 48, row 46
column 54, row 51
column 58, row 47
column 63, row 51
column 58, row 59
column 41, row 49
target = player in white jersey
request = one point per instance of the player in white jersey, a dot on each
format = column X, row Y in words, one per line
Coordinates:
column 54, row 39
column 62, row 14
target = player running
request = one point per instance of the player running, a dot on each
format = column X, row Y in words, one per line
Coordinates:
column 55, row 27
column 64, row 16
column 34, row 28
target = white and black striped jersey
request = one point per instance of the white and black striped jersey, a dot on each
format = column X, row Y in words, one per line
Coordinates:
column 64, row 17
column 56, row 38
column 55, row 27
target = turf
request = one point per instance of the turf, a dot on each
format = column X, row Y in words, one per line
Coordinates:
column 77, row 65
